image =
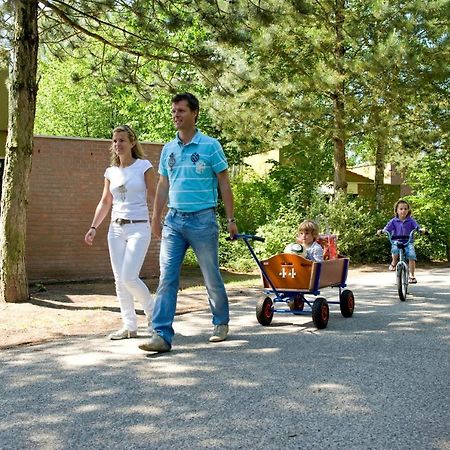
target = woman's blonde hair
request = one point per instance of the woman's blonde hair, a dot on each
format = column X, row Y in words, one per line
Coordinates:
column 309, row 225
column 137, row 151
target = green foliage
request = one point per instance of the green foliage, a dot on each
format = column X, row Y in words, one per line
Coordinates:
column 277, row 233
column 430, row 180
column 76, row 99
column 256, row 199
column 355, row 224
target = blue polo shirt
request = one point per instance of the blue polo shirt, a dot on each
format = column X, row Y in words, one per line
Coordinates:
column 191, row 170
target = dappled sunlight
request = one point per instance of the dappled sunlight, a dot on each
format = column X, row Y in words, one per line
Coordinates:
column 143, row 429
column 91, row 407
column 266, row 350
column 341, row 395
column 49, row 419
column 179, row 382
column 332, row 387
column 244, row 384
column 86, row 359
column 441, row 444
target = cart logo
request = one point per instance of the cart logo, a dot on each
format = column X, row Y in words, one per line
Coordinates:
column 287, row 271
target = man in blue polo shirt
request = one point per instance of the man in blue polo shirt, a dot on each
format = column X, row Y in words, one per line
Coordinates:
column 192, row 167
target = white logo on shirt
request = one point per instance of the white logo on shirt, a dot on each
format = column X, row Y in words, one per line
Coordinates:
column 200, row 167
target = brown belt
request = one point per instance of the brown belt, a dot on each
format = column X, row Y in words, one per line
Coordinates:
column 126, row 221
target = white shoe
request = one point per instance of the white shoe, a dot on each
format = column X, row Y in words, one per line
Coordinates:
column 220, row 333
column 123, row 333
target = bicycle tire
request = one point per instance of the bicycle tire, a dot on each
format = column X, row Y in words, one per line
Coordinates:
column 402, row 281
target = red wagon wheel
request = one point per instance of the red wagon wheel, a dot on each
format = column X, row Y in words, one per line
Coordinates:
column 320, row 312
column 264, row 311
column 347, row 303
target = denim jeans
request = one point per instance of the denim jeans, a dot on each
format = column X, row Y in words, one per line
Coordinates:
column 128, row 245
column 200, row 231
column 410, row 252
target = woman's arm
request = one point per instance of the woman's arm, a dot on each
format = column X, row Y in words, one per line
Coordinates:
column 102, row 210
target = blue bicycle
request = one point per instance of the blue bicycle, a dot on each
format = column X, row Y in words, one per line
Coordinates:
column 402, row 267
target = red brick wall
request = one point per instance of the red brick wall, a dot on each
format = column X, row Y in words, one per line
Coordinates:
column 65, row 186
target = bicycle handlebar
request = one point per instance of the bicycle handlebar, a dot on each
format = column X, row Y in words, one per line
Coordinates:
column 411, row 234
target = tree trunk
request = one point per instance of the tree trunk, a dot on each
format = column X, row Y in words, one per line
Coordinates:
column 380, row 152
column 340, row 164
column 19, row 150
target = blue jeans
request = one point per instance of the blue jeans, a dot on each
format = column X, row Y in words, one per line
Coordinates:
column 200, row 231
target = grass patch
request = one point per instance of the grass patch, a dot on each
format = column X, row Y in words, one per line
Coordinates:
column 191, row 278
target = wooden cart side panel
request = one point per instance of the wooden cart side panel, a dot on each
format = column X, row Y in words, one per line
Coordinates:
column 292, row 272
column 288, row 271
column 333, row 272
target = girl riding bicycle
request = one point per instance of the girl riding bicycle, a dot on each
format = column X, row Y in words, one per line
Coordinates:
column 400, row 227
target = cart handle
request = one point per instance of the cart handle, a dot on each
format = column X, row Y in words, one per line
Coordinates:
column 245, row 237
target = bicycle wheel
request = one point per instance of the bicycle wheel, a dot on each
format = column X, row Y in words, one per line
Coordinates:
column 402, row 281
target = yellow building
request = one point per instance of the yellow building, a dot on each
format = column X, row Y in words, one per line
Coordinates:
column 359, row 178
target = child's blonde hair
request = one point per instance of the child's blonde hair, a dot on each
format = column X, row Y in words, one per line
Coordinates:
column 399, row 202
column 309, row 225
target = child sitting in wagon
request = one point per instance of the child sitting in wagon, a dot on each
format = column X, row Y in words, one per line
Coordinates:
column 307, row 235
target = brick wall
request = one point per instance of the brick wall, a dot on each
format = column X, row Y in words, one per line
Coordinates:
column 65, row 186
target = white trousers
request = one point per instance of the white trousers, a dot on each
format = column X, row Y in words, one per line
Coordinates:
column 128, row 245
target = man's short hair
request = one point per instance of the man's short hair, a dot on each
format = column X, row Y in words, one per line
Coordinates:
column 191, row 99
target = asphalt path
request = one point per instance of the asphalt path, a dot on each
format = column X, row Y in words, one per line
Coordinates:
column 378, row 380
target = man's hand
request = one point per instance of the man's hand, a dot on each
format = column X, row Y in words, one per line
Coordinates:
column 156, row 227
column 232, row 229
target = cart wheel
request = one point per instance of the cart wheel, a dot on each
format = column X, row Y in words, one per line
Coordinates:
column 347, row 303
column 297, row 303
column 320, row 312
column 402, row 281
column 264, row 311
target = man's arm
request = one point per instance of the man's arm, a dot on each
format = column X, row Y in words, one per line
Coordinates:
column 162, row 193
column 150, row 182
column 227, row 197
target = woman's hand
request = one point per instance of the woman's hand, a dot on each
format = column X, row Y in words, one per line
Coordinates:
column 90, row 235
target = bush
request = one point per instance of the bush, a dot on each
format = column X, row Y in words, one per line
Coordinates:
column 236, row 255
column 355, row 224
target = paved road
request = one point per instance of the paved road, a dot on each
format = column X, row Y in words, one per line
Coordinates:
column 379, row 380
